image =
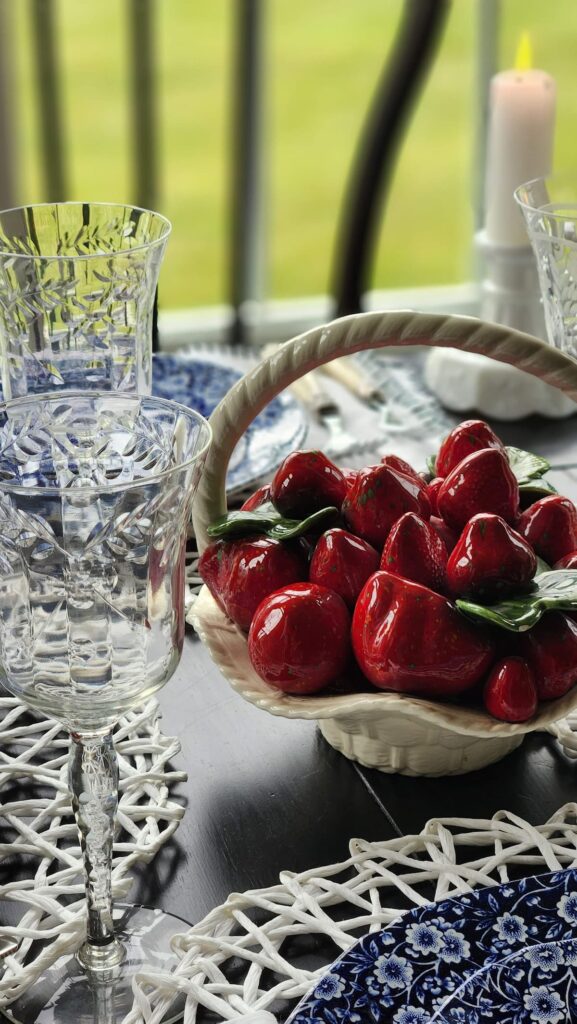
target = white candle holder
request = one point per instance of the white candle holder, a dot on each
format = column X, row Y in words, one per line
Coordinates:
column 509, row 294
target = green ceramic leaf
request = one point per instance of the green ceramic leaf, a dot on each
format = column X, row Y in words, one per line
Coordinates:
column 288, row 529
column 268, row 521
column 540, row 488
column 526, row 465
column 432, row 464
column 556, row 589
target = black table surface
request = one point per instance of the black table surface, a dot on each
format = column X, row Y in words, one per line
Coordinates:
column 266, row 793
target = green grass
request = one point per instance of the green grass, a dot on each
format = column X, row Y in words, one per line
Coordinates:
column 323, row 60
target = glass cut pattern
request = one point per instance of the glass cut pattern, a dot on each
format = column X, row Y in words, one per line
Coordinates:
column 77, row 286
column 92, row 558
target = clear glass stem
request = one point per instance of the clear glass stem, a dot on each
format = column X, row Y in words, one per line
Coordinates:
column 93, row 777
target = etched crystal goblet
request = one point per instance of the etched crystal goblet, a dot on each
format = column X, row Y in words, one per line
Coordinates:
column 95, row 498
column 77, row 286
column 549, row 206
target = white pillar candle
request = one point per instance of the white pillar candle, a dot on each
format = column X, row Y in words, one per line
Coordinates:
column 519, row 147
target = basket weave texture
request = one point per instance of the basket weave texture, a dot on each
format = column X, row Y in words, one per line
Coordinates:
column 395, row 733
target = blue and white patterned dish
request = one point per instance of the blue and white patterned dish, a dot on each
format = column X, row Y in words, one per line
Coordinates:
column 200, row 384
column 502, row 955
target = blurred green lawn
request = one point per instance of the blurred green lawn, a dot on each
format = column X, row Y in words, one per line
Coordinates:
column 323, row 59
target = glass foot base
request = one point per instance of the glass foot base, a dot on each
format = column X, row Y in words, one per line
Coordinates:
column 66, row 994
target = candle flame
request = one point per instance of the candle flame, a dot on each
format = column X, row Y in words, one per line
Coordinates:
column 524, row 57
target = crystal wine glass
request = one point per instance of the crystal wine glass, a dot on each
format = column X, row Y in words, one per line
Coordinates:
column 77, row 286
column 95, row 497
column 549, row 206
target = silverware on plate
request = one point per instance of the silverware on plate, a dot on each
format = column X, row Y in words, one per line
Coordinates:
column 7, row 946
column 309, row 390
column 324, row 408
column 354, row 379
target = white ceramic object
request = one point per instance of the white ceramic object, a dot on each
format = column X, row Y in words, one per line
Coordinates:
column 465, row 381
column 389, row 731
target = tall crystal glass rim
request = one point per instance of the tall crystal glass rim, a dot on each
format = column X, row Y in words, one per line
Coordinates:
column 8, row 487
column 153, row 244
column 561, row 218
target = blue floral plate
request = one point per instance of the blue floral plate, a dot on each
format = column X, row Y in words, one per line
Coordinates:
column 503, row 955
column 200, row 384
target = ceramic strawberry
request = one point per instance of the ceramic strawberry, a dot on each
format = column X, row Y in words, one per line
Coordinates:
column 415, row 551
column 550, row 527
column 482, row 482
column 395, row 462
column 350, row 476
column 409, row 639
column 468, row 437
column 446, row 533
column 489, row 560
column 378, row 498
column 257, row 499
column 213, row 569
column 299, row 639
column 305, row 482
column 551, row 650
column 510, row 692
column 343, row 563
column 433, row 488
column 568, row 561
column 241, row 573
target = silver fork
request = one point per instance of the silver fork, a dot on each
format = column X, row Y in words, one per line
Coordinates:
column 7, row 947
column 326, row 411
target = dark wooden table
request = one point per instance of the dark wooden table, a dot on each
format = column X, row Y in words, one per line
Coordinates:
column 265, row 793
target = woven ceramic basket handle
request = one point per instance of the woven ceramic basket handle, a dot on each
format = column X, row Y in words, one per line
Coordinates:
column 353, row 334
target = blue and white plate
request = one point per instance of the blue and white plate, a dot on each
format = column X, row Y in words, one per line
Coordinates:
column 503, row 955
column 200, row 384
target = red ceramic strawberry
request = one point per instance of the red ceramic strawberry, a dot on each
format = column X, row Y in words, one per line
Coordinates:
column 489, row 560
column 306, row 482
column 350, row 476
column 395, row 462
column 551, row 650
column 378, row 498
column 550, row 527
column 343, row 563
column 483, row 482
column 241, row 573
column 510, row 691
column 433, row 488
column 415, row 551
column 409, row 639
column 213, row 569
column 257, row 499
column 447, row 535
column 567, row 562
column 299, row 639
column 468, row 437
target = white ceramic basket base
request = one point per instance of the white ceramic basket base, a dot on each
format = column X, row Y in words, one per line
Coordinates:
column 389, row 731
column 402, row 744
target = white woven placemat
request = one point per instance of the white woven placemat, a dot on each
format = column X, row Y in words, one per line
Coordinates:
column 239, row 962
column 48, row 890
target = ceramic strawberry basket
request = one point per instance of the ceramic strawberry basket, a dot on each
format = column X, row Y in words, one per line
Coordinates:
column 391, row 731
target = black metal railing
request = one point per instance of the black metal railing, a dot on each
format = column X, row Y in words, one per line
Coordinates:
column 380, row 137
